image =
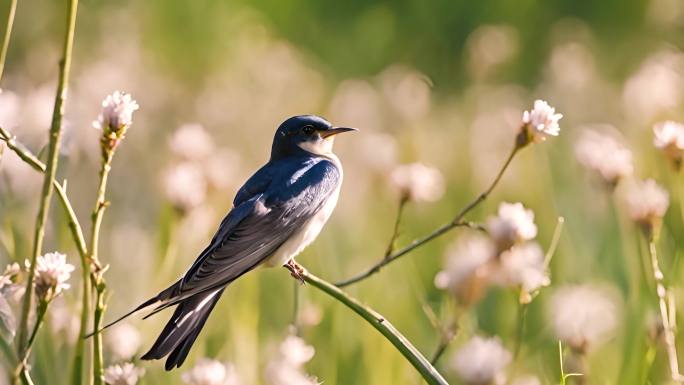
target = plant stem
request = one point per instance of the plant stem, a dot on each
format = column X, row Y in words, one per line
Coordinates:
column 456, row 222
column 426, row 370
column 395, row 232
column 8, row 33
column 522, row 313
column 97, row 275
column 665, row 313
column 50, row 169
column 79, row 240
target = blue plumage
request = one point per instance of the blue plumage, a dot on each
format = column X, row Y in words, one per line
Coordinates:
column 276, row 213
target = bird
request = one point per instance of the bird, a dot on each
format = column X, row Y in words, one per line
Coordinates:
column 278, row 211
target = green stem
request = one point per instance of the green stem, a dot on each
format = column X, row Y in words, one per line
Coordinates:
column 79, row 240
column 50, row 169
column 665, row 313
column 98, row 274
column 522, row 313
column 8, row 33
column 443, row 229
column 426, row 370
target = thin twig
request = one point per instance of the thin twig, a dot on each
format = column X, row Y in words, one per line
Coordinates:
column 397, row 222
column 668, row 328
column 456, row 222
column 8, row 32
column 426, row 370
column 51, row 168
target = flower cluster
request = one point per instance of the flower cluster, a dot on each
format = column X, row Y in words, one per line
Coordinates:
column 668, row 137
column 287, row 366
column 125, row 374
column 52, row 274
column 604, row 155
column 538, row 124
column 418, row 182
column 115, row 119
column 211, row 372
column 507, row 257
column 123, row 341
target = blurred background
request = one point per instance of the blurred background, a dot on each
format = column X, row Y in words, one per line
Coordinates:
column 438, row 82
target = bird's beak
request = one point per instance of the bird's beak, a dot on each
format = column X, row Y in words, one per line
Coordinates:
column 336, row 130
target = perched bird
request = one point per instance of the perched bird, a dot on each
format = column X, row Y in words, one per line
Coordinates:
column 275, row 215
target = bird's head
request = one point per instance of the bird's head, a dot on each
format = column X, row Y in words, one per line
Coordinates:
column 308, row 133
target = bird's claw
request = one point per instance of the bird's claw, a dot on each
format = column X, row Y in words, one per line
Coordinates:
column 295, row 270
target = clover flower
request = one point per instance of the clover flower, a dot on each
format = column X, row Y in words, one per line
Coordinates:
column 647, row 203
column 539, row 123
column 125, row 374
column 185, row 186
column 465, row 270
column 605, row 155
column 668, row 137
column 583, row 316
column 513, row 224
column 115, row 119
column 287, row 366
column 481, row 360
column 52, row 274
column 523, row 266
column 211, row 372
column 418, row 182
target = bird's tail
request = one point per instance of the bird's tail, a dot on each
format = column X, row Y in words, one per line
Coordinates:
column 159, row 298
column 183, row 328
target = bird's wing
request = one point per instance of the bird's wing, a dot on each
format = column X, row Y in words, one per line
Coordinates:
column 257, row 227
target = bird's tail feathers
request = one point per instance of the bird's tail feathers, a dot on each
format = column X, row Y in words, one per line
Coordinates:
column 183, row 328
column 159, row 298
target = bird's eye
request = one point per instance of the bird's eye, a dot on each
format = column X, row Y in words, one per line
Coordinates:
column 308, row 130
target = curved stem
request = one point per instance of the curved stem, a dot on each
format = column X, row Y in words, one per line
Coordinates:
column 456, row 222
column 8, row 33
column 426, row 370
column 50, row 170
column 665, row 313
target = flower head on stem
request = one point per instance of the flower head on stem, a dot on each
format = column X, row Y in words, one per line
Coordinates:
column 115, row 119
column 668, row 136
column 52, row 274
column 647, row 203
column 538, row 124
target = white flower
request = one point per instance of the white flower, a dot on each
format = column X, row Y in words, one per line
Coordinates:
column 668, row 136
column 464, row 272
column 583, row 316
column 513, row 224
column 185, row 186
column 418, row 182
column 8, row 278
column 123, row 341
column 481, row 360
column 523, row 266
column 286, row 367
column 192, row 142
column 126, row 374
column 52, row 273
column 117, row 112
column 541, row 121
column 211, row 372
column 647, row 202
column 604, row 154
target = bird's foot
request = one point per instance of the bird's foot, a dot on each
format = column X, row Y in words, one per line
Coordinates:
column 296, row 270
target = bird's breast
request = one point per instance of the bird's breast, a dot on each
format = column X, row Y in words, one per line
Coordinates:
column 308, row 232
